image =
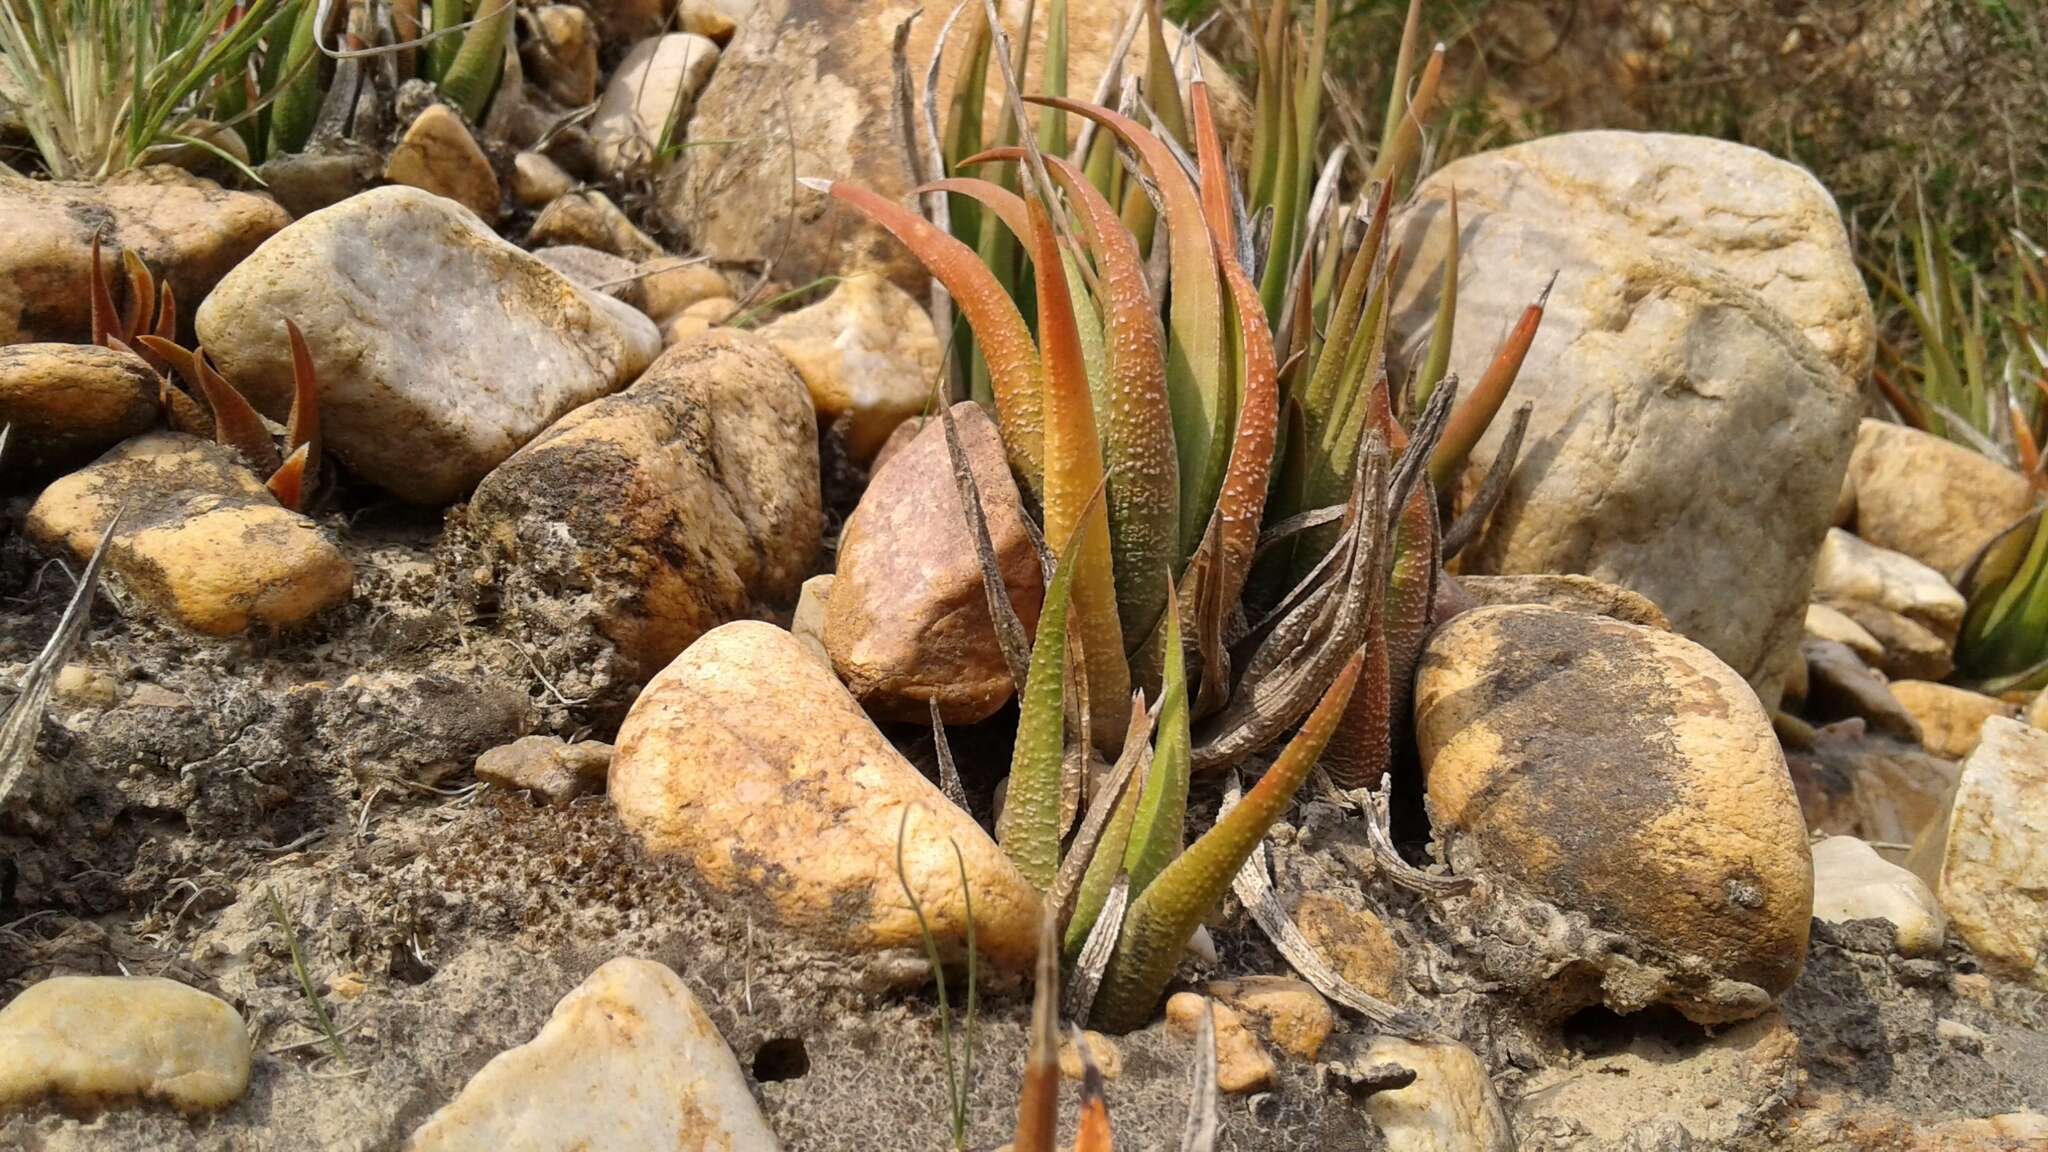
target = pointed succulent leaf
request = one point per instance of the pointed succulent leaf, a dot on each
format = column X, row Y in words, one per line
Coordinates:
column 1472, row 416
column 104, row 319
column 1157, row 831
column 1029, row 829
column 473, row 75
column 288, row 483
column 1038, row 1104
column 302, row 426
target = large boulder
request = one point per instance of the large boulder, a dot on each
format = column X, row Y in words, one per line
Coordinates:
column 188, row 230
column 1695, row 380
column 1626, row 776
column 441, row 349
column 652, row 516
column 1931, row 499
column 747, row 758
column 628, row 1061
column 201, row 540
column 1986, row 857
column 907, row 623
column 806, row 88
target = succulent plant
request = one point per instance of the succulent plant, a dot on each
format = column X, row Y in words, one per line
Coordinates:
column 1169, row 447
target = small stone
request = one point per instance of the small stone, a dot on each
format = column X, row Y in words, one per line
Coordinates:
column 1848, row 570
column 1451, row 1106
column 101, row 1039
column 651, row 93
column 807, row 623
column 1839, row 685
column 708, row 19
column 84, row 686
column 2037, row 710
column 1935, row 501
column 558, row 770
column 186, row 229
column 437, row 154
column 748, row 758
column 1987, row 857
column 1950, row 718
column 589, row 218
column 562, row 55
column 1242, row 1064
column 1851, row 882
column 1827, row 623
column 441, row 349
column 1101, row 1049
column 1355, row 941
column 671, row 284
column 1852, row 782
column 627, row 1061
column 1907, row 649
column 869, row 355
column 1630, row 776
column 67, row 403
column 537, row 180
column 201, row 539
column 1974, row 987
column 1290, row 1013
column 327, row 174
column 1961, row 1035
column 908, row 623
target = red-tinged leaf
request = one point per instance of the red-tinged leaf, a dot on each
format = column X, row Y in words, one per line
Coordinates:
column 1195, row 370
column 288, row 483
column 1015, row 375
column 167, row 313
column 1144, row 482
column 235, row 423
column 1038, row 1104
column 1073, row 474
column 1007, row 205
column 1408, row 136
column 2024, row 447
column 1093, row 1134
column 141, row 294
column 1216, row 205
column 302, row 427
column 1475, row 412
column 1362, row 749
column 102, row 290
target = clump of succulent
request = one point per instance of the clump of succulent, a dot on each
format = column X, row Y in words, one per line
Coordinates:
column 148, row 330
column 1198, row 393
column 1979, row 377
column 104, row 86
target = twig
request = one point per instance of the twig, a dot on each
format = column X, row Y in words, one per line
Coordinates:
column 291, row 943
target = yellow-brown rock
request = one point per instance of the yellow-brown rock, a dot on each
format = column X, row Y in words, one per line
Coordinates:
column 562, row 54
column 537, row 181
column 1242, row 1064
column 1986, row 857
column 201, row 539
column 1627, row 775
column 68, row 403
column 908, row 622
column 1451, row 1106
column 591, row 219
column 1931, row 499
column 1355, row 941
column 1288, row 1012
column 747, row 758
column 868, row 353
column 1949, row 717
column 437, row 154
column 97, row 1039
column 670, row 284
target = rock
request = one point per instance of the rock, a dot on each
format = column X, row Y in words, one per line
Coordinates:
column 1355, row 941
column 625, row 21
column 1907, row 649
column 68, row 403
column 590, row 219
column 800, row 821
column 1242, row 1064
column 1628, row 775
column 1987, row 858
column 908, row 622
column 1872, row 787
column 537, row 180
column 99, row 1039
column 1695, row 381
column 650, row 93
column 1930, row 499
column 627, row 1061
column 1949, row 717
column 1289, row 1013
column 708, row 18
column 421, row 401
column 437, row 154
column 1451, row 1106
column 671, row 284
column 562, row 54
column 601, row 272
column 697, row 319
column 1826, row 623
column 820, row 72
column 807, row 623
column 869, row 355
column 325, row 175
column 657, row 514
column 201, row 539
column 412, row 728
column 1850, row 571
column 1840, row 685
column 897, row 441
column 1852, row 882
column 1101, row 1049
column 188, row 231
column 546, row 764
column 1572, row 593
column 84, row 686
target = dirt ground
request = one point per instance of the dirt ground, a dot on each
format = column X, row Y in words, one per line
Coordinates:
column 188, row 781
